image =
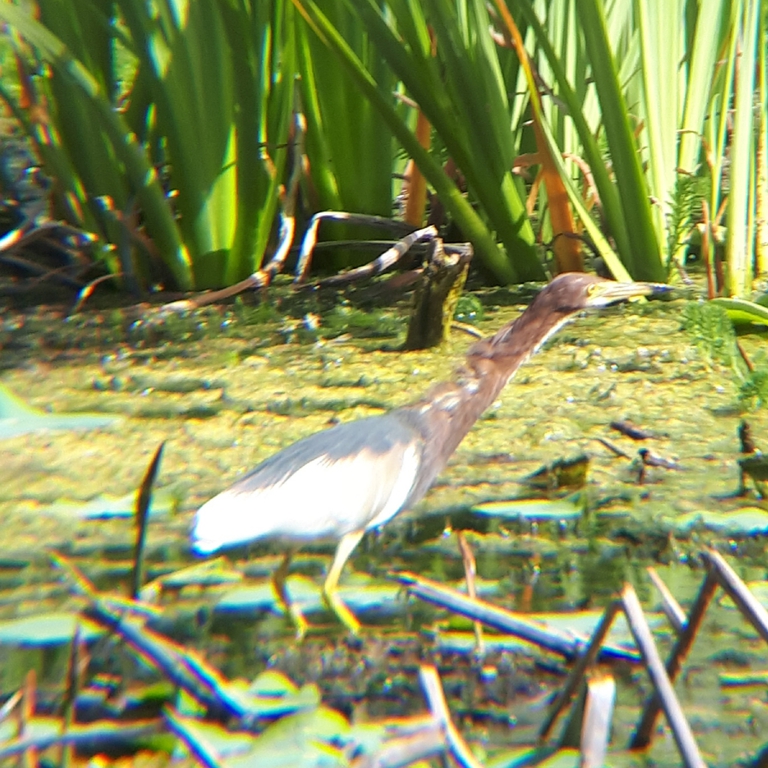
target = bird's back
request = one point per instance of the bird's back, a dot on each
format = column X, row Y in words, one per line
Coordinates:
column 352, row 477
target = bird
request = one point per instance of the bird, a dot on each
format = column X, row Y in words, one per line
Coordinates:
column 338, row 483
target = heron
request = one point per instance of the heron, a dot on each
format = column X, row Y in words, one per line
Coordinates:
column 341, row 482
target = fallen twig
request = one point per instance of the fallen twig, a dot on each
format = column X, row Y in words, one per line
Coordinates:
column 580, row 668
column 198, row 746
column 470, row 573
column 175, row 662
column 596, row 727
column 672, row 610
column 433, row 690
column 737, row 590
column 567, row 644
column 681, row 730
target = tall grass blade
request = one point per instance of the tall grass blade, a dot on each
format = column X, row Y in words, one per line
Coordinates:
column 740, row 214
column 464, row 215
column 567, row 249
column 643, row 259
column 140, row 173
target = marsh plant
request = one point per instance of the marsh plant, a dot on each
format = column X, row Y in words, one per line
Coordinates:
column 172, row 130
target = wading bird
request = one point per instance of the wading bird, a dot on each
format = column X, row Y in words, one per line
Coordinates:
column 337, row 484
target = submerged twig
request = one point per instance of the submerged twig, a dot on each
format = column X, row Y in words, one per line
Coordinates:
column 74, row 668
column 25, row 712
column 175, row 662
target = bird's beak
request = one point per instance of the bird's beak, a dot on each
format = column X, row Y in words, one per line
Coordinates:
column 604, row 293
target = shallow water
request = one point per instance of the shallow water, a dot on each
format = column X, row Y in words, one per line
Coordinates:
column 230, row 386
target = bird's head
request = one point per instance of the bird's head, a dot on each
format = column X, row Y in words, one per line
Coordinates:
column 556, row 305
column 574, row 291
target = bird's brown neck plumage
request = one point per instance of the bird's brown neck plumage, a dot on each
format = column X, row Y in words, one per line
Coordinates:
column 448, row 410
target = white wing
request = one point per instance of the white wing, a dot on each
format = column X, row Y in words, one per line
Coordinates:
column 349, row 478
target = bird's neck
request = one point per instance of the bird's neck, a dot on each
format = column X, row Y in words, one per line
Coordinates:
column 447, row 412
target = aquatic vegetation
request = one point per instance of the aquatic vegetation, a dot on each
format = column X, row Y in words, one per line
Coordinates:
column 712, row 331
column 710, row 324
column 556, row 560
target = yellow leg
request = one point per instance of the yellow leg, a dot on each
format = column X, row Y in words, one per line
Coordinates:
column 330, row 588
column 278, row 584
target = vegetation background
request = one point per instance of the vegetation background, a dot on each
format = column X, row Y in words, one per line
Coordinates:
column 194, row 138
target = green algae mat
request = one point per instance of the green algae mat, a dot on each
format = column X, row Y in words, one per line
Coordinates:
column 85, row 402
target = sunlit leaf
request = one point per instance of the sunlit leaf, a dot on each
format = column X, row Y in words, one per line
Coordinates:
column 743, row 312
column 46, row 629
column 531, row 509
column 271, row 682
column 306, row 739
column 747, row 521
column 520, row 756
column 272, row 693
column 17, row 418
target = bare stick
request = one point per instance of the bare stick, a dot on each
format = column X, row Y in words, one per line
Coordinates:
column 567, row 644
column 580, row 668
column 678, row 653
column 470, row 572
column 389, row 258
column 433, row 690
column 196, row 743
column 738, row 591
column 310, row 236
column 672, row 610
column 596, row 727
column 681, row 730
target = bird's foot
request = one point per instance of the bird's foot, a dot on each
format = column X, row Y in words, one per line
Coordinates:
column 297, row 617
column 346, row 617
